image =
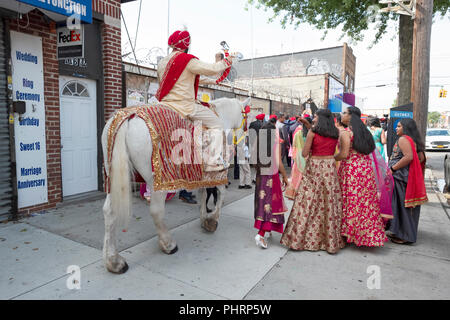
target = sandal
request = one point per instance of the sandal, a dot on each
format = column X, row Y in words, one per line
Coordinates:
column 398, row 241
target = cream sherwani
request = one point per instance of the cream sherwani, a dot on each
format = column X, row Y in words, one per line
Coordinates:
column 182, row 96
column 182, row 99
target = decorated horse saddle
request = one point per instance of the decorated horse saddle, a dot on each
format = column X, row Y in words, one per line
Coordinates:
column 176, row 162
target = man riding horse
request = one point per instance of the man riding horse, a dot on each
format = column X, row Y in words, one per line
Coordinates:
column 179, row 76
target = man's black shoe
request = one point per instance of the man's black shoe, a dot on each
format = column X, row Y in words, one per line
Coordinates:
column 248, row 187
column 188, row 200
column 241, row 187
column 254, row 181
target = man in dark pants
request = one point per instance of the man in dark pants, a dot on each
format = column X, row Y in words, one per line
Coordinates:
column 187, row 197
column 236, row 165
column 255, row 125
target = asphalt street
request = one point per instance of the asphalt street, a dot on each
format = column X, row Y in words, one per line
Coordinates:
column 435, row 161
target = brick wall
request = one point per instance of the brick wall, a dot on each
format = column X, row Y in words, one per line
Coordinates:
column 349, row 67
column 39, row 27
column 112, row 62
column 110, row 8
column 112, row 54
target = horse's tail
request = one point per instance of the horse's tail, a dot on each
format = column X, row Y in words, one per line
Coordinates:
column 120, row 179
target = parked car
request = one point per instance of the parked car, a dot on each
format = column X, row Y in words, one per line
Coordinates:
column 437, row 139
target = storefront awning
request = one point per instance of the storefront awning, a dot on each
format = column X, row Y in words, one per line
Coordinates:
column 58, row 9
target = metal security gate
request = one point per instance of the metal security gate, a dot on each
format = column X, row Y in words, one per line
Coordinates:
column 6, row 191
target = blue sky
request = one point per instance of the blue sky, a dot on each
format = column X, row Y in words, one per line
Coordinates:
column 211, row 21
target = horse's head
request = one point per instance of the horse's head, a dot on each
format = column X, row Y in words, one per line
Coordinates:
column 232, row 112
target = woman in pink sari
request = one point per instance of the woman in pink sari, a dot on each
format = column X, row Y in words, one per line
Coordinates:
column 362, row 222
column 298, row 162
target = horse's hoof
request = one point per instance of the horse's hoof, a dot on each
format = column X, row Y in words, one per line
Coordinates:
column 210, row 225
column 121, row 271
column 173, row 250
column 124, row 269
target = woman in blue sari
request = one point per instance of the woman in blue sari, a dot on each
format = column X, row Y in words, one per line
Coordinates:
column 379, row 136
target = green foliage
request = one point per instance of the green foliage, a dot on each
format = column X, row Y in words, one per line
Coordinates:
column 433, row 117
column 353, row 16
column 394, row 104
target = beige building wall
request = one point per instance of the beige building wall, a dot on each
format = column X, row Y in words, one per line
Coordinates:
column 306, row 86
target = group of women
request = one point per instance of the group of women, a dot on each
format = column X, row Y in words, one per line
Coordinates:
column 343, row 190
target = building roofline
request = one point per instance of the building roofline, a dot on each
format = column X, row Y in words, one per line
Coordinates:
column 289, row 54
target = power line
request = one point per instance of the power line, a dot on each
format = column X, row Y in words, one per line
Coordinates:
column 137, row 27
column 376, row 71
column 129, row 39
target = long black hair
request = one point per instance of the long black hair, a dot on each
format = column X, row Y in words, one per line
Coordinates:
column 410, row 129
column 374, row 122
column 325, row 125
column 362, row 138
column 339, row 120
column 305, row 129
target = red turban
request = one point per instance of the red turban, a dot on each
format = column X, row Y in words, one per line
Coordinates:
column 260, row 116
column 292, row 118
column 180, row 40
column 306, row 115
column 273, row 116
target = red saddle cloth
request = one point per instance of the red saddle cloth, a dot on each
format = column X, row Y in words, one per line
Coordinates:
column 173, row 162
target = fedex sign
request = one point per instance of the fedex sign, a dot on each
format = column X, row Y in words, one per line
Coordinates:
column 68, row 37
column 70, row 43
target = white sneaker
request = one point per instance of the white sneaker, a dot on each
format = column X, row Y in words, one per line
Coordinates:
column 260, row 241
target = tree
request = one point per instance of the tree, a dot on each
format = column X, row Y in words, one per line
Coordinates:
column 433, row 117
column 355, row 17
column 394, row 104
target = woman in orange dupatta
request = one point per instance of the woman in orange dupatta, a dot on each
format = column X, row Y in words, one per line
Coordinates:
column 407, row 162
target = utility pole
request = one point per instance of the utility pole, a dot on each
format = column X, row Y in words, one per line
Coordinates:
column 420, row 84
column 405, row 41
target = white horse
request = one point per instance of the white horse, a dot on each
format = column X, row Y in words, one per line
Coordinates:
column 133, row 151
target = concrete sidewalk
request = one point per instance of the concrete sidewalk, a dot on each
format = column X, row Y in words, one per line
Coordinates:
column 225, row 265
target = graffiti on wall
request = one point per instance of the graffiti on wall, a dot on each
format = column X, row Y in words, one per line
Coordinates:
column 296, row 64
column 135, row 97
column 270, row 70
column 296, row 67
column 321, row 66
column 292, row 67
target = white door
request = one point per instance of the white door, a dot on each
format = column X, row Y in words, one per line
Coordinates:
column 78, row 135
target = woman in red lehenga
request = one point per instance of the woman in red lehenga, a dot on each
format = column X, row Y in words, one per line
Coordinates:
column 362, row 222
column 315, row 220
